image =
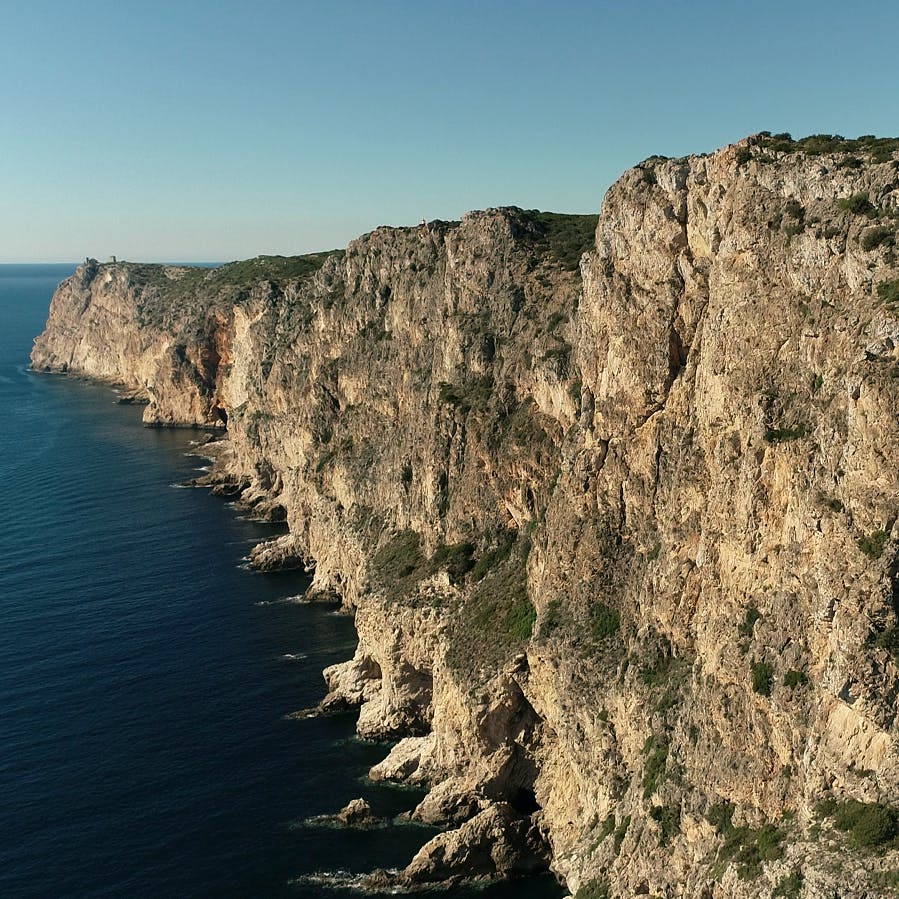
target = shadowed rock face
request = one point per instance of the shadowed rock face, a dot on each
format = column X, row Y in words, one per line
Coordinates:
column 620, row 537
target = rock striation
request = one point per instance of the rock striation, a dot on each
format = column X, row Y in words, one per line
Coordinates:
column 618, row 528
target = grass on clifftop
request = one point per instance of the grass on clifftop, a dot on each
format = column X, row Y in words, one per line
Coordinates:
column 243, row 274
column 270, row 268
column 875, row 149
column 185, row 294
column 567, row 237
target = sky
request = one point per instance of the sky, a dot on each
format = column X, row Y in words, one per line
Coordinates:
column 209, row 131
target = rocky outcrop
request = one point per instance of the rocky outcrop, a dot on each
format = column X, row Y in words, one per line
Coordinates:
column 495, row 842
column 357, row 813
column 618, row 529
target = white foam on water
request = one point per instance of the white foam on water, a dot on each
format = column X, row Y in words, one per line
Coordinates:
column 298, row 600
column 346, row 880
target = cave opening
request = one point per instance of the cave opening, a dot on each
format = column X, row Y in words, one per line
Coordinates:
column 524, row 801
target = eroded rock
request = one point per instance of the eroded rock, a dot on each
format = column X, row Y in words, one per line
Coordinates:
column 496, row 842
column 357, row 813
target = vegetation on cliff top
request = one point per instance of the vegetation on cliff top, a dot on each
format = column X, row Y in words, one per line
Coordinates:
column 566, row 237
column 186, row 294
column 875, row 149
column 242, row 273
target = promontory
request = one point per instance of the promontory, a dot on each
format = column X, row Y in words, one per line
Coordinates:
column 613, row 501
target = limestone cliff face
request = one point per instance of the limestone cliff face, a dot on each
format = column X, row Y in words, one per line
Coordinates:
column 620, row 535
column 99, row 328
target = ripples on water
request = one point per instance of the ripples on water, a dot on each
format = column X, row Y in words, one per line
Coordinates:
column 145, row 678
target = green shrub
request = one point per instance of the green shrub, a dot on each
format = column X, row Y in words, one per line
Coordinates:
column 495, row 620
column 654, row 769
column 857, row 204
column 607, row 826
column 875, row 237
column 456, row 558
column 520, row 620
column 877, row 149
column 795, row 209
column 594, row 889
column 575, row 388
column 552, row 618
column 794, row 678
column 762, row 673
column 604, row 621
column 472, row 394
column 888, row 291
column 888, row 639
column 868, row 824
column 667, row 675
column 495, row 555
column 553, row 322
column 324, row 460
column 872, row 545
column 749, row 619
column 399, row 565
column 271, row 268
column 784, row 435
column 621, row 832
column 659, row 672
column 748, row 847
column 789, row 886
column 399, row 560
column 720, row 816
column 668, row 818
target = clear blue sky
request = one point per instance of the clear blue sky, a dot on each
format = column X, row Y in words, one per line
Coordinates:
column 217, row 130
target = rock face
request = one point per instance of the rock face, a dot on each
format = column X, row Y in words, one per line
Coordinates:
column 619, row 530
column 496, row 841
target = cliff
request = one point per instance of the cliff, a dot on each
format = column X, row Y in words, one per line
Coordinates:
column 618, row 529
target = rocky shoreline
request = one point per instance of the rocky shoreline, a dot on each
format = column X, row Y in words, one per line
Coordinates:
column 613, row 502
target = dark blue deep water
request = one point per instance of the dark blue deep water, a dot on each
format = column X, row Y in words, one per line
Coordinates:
column 145, row 676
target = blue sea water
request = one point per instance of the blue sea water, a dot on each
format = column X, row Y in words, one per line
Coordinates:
column 145, row 675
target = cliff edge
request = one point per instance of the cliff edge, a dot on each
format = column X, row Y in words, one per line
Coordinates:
column 613, row 500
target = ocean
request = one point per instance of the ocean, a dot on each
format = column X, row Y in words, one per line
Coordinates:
column 146, row 676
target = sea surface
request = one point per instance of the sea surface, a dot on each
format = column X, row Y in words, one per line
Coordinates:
column 146, row 676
